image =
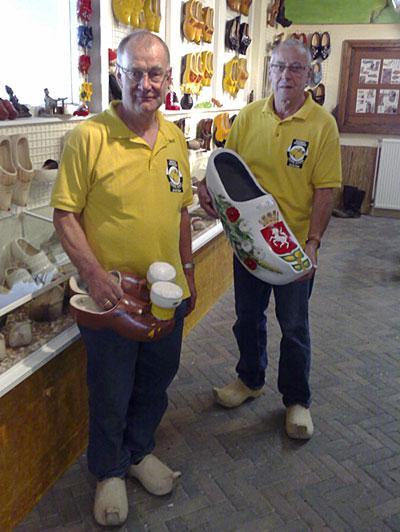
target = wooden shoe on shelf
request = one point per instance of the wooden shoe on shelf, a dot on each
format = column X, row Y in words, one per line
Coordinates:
column 8, row 173
column 230, row 80
column 221, row 129
column 135, row 18
column 243, row 74
column 198, row 11
column 122, row 10
column 157, row 13
column 245, row 7
column 189, row 22
column 208, row 27
column 234, row 5
column 25, row 172
column 149, row 14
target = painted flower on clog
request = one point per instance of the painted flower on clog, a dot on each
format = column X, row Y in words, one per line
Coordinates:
column 233, row 214
column 250, row 263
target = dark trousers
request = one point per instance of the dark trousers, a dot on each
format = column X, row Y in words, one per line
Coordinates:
column 127, row 383
column 291, row 301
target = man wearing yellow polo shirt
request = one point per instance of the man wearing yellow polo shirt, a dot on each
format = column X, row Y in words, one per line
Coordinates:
column 120, row 201
column 291, row 145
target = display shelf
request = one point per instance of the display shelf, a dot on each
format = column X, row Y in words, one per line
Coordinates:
column 31, row 363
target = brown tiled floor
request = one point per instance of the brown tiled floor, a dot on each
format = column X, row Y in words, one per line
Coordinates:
column 240, row 471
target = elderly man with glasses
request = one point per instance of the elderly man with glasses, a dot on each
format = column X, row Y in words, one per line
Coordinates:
column 120, row 202
column 291, row 145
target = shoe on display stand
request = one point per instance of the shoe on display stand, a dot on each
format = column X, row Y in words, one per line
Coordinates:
column 42, row 269
column 8, row 173
column 325, row 47
column 252, row 221
column 25, row 172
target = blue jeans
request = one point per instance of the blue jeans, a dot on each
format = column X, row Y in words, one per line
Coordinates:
column 291, row 308
column 127, row 383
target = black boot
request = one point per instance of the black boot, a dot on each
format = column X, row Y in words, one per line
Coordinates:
column 358, row 198
column 283, row 21
column 348, row 200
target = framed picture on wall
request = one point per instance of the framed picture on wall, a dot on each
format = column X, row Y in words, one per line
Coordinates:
column 369, row 98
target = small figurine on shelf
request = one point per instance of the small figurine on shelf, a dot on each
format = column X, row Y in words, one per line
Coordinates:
column 171, row 101
column 50, row 104
column 21, row 109
column 82, row 110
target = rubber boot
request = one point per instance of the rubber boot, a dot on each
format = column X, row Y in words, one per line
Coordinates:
column 358, row 198
column 348, row 200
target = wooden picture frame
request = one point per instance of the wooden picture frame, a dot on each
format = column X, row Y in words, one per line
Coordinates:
column 369, row 97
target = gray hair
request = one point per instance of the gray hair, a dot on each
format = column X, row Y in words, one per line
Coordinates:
column 144, row 38
column 293, row 42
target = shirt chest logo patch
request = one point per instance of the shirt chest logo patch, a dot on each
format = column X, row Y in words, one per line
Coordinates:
column 174, row 176
column 297, row 153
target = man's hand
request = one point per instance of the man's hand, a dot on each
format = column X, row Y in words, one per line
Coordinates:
column 310, row 250
column 205, row 199
column 193, row 293
column 104, row 289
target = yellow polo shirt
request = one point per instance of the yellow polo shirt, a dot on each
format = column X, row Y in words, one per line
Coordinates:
column 130, row 196
column 290, row 157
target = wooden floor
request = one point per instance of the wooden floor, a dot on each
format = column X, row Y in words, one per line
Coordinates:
column 240, row 473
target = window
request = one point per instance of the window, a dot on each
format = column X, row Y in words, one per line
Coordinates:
column 39, row 50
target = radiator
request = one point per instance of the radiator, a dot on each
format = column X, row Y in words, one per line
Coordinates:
column 387, row 175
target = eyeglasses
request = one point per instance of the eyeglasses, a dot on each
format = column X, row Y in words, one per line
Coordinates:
column 136, row 76
column 294, row 69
